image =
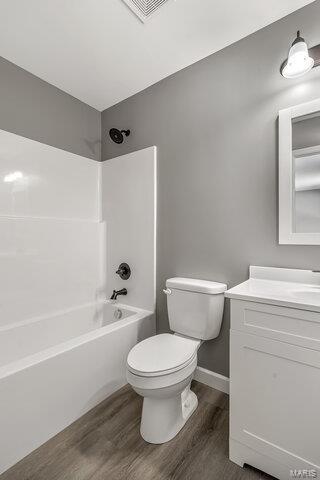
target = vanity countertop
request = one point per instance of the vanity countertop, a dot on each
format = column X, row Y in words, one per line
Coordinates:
column 280, row 286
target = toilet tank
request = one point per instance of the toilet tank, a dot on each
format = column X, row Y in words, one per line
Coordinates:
column 195, row 307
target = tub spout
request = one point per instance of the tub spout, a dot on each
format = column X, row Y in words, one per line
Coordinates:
column 115, row 293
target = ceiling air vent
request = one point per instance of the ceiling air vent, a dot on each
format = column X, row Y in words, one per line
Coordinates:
column 144, row 9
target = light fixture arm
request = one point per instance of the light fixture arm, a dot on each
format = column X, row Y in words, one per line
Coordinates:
column 314, row 53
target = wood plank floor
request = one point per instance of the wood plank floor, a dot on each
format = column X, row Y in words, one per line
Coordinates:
column 105, row 444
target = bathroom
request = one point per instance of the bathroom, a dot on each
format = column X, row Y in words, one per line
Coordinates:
column 146, row 154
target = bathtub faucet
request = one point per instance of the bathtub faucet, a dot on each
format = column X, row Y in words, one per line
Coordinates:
column 115, row 293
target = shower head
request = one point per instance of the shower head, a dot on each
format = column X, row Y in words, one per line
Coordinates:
column 117, row 135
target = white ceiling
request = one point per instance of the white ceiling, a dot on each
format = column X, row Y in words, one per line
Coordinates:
column 101, row 53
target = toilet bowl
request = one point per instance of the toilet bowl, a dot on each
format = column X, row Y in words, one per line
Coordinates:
column 161, row 368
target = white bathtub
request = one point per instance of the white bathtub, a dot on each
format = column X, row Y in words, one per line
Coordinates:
column 54, row 369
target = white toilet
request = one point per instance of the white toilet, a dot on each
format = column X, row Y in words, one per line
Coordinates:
column 161, row 368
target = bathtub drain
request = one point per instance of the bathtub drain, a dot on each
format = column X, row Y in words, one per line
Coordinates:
column 117, row 314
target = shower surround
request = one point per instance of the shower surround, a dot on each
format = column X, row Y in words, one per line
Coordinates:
column 62, row 347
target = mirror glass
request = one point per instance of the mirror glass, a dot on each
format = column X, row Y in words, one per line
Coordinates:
column 306, row 173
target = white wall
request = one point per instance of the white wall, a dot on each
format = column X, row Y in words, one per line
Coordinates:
column 53, row 243
column 50, row 230
column 129, row 209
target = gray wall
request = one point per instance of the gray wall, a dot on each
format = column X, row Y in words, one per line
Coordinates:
column 215, row 125
column 35, row 109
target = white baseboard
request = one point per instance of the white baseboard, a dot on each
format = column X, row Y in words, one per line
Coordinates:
column 212, row 379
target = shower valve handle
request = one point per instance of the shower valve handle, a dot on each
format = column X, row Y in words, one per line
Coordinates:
column 124, row 271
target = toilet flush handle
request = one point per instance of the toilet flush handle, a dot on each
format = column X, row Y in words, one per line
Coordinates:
column 167, row 291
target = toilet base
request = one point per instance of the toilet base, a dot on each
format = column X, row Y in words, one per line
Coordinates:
column 163, row 418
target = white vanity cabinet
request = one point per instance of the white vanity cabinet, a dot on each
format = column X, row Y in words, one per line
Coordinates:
column 275, row 378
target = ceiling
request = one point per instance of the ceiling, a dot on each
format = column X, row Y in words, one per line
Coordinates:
column 101, row 53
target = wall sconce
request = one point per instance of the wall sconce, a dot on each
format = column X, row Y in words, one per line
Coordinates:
column 300, row 60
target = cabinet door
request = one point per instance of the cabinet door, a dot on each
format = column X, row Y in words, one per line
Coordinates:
column 275, row 399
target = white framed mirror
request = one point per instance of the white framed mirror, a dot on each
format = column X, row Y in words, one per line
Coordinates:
column 299, row 174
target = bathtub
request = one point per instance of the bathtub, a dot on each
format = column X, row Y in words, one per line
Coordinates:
column 54, row 369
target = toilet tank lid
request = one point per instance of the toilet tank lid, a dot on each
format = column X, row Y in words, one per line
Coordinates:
column 195, row 285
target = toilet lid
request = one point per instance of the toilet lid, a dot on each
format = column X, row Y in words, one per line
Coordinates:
column 161, row 354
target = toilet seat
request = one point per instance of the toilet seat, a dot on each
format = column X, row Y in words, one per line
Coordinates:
column 162, row 381
column 161, row 355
